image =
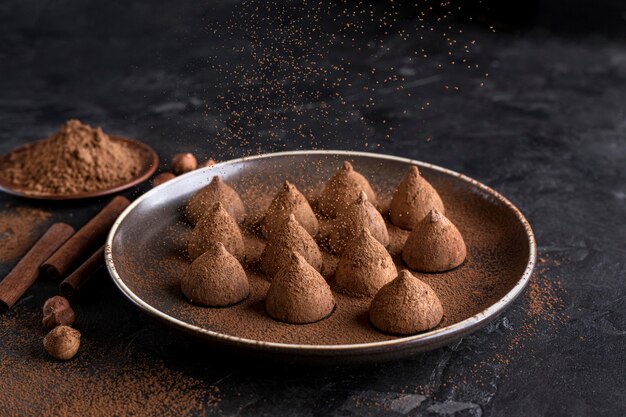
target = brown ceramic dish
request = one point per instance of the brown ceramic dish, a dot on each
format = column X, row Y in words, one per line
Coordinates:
column 149, row 235
column 150, row 164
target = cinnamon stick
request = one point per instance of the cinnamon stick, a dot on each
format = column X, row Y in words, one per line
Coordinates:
column 25, row 273
column 82, row 275
column 92, row 234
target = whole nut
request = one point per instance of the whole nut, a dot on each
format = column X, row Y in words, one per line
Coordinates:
column 62, row 342
column 183, row 162
column 208, row 163
column 162, row 178
column 57, row 311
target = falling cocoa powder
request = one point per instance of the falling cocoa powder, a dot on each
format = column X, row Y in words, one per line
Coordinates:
column 19, row 228
column 76, row 159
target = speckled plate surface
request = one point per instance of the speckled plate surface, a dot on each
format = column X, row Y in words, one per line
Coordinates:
column 151, row 231
column 150, row 162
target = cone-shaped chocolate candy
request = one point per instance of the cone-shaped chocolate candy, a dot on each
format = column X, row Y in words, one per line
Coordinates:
column 342, row 189
column 290, row 237
column 216, row 226
column 365, row 266
column 298, row 293
column 289, row 201
column 216, row 191
column 215, row 279
column 435, row 245
column 413, row 200
column 350, row 223
column 405, row 306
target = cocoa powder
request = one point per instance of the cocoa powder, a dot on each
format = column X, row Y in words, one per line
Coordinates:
column 18, row 230
column 76, row 159
column 492, row 267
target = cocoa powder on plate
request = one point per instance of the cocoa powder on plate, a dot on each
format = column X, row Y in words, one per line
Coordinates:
column 492, row 267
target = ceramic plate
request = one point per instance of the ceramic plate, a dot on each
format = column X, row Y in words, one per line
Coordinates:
column 151, row 232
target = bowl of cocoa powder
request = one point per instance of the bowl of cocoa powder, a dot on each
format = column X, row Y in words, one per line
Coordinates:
column 148, row 257
column 78, row 161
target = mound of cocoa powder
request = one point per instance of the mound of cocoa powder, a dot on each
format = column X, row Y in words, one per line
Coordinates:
column 76, row 159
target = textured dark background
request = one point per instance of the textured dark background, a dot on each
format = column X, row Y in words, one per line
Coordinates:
column 547, row 130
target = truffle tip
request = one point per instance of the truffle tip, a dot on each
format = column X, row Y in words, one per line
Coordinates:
column 405, row 275
column 220, row 249
column 216, row 179
column 435, row 216
column 347, row 166
column 414, row 170
column 218, row 206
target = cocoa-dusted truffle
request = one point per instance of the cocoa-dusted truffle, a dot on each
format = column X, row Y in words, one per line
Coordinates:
column 405, row 306
column 349, row 224
column 342, row 189
column 215, row 279
column 290, row 237
column 216, row 226
column 289, row 201
column 216, row 191
column 298, row 293
column 413, row 199
column 365, row 266
column 435, row 245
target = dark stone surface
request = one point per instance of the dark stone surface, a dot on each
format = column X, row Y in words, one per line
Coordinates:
column 547, row 130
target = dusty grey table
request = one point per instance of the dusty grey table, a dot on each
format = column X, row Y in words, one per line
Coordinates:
column 547, row 129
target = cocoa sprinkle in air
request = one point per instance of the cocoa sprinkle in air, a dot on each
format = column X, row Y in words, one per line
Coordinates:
column 76, row 159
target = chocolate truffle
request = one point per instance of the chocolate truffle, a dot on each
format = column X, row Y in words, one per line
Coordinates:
column 216, row 191
column 215, row 279
column 290, row 237
column 349, row 224
column 365, row 266
column 413, row 200
column 342, row 189
column 216, row 226
column 435, row 245
column 405, row 306
column 289, row 201
column 298, row 293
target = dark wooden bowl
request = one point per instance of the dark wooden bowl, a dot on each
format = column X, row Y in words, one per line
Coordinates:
column 150, row 164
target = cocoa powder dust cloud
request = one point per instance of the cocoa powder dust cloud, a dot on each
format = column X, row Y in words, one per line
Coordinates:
column 293, row 84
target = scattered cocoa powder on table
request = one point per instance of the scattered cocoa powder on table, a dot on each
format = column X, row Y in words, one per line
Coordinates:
column 97, row 382
column 19, row 227
column 76, row 159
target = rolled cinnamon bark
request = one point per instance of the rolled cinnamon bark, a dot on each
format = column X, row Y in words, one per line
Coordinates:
column 25, row 273
column 93, row 233
column 82, row 275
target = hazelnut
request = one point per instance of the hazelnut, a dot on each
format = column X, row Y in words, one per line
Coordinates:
column 208, row 163
column 162, row 178
column 183, row 162
column 56, row 312
column 62, row 342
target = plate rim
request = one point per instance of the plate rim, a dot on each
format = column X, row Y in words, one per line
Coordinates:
column 147, row 173
column 434, row 337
